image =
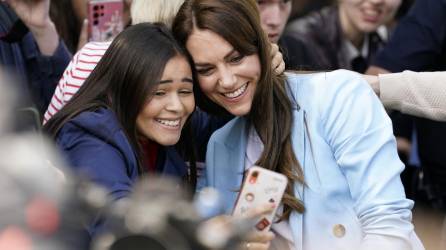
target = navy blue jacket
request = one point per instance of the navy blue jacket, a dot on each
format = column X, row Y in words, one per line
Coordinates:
column 39, row 74
column 419, row 44
column 96, row 146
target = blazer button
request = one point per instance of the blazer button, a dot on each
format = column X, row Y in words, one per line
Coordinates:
column 339, row 230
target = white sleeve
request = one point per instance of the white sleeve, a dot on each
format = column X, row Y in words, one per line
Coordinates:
column 419, row 94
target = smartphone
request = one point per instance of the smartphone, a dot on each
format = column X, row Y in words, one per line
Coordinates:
column 105, row 19
column 261, row 186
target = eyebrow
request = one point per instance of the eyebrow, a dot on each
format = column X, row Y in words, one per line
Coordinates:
column 170, row 80
column 230, row 53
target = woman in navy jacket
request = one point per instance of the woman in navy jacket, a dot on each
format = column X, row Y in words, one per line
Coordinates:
column 129, row 114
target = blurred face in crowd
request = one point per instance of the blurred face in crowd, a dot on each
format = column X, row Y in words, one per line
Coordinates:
column 226, row 76
column 274, row 15
column 367, row 15
column 165, row 113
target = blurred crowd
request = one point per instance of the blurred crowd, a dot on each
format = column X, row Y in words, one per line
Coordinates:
column 362, row 82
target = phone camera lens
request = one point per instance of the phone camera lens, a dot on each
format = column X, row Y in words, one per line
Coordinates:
column 253, row 177
column 95, row 15
column 95, row 22
column 95, row 7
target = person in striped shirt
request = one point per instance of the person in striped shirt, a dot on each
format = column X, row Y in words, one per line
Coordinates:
column 86, row 59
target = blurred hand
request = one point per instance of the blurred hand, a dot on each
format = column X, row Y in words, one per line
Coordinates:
column 258, row 240
column 33, row 13
column 277, row 62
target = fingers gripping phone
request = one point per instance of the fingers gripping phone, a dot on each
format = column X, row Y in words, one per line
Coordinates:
column 105, row 20
column 261, row 186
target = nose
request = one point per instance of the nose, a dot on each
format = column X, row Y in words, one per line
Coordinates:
column 174, row 103
column 227, row 78
column 271, row 15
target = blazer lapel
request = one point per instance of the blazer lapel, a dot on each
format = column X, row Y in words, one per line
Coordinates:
column 229, row 164
column 298, row 139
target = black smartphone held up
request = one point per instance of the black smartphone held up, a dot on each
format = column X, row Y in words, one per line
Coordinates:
column 105, row 19
column 261, row 186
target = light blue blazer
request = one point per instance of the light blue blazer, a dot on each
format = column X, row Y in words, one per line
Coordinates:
column 343, row 139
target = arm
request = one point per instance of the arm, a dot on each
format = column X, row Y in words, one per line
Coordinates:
column 359, row 133
column 35, row 15
column 419, row 94
column 44, row 56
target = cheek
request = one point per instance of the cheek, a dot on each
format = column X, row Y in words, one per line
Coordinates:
column 189, row 104
column 207, row 84
column 392, row 5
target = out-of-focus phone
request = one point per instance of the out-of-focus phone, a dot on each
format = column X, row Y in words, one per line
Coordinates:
column 261, row 186
column 105, row 20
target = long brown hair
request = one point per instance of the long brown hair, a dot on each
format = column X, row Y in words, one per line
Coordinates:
column 238, row 22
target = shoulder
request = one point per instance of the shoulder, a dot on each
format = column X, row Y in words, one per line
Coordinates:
column 315, row 21
column 99, row 125
column 325, row 83
column 321, row 92
column 92, row 52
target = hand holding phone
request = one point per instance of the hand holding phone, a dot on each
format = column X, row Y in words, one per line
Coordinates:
column 105, row 20
column 260, row 187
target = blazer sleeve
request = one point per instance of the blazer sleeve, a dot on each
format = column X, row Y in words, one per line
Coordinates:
column 419, row 94
column 359, row 133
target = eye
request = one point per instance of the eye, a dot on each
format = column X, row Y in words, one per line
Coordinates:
column 204, row 71
column 185, row 92
column 236, row 59
column 159, row 93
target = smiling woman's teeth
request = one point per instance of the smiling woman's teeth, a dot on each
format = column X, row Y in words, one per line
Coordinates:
column 236, row 93
column 170, row 123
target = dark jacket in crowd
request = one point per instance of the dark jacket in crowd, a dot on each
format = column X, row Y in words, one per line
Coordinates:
column 295, row 54
column 38, row 75
column 419, row 44
column 321, row 34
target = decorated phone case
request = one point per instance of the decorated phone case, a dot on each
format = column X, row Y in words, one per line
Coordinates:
column 261, row 186
column 104, row 19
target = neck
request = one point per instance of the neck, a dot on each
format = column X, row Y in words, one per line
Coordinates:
column 352, row 34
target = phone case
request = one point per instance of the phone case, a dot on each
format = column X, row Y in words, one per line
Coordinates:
column 260, row 187
column 104, row 19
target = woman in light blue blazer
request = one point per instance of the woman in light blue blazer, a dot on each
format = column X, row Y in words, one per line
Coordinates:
column 326, row 132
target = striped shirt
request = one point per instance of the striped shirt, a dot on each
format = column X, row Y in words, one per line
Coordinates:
column 74, row 75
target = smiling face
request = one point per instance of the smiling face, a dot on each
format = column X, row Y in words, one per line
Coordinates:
column 225, row 76
column 367, row 15
column 164, row 115
column 274, row 16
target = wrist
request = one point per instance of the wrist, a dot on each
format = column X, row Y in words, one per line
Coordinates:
column 45, row 28
column 46, row 37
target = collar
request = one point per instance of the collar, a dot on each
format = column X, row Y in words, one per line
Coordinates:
column 352, row 52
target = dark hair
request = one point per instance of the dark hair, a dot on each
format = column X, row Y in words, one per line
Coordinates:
column 67, row 24
column 238, row 22
column 124, row 79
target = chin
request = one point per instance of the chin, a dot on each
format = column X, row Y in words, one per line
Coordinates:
column 240, row 111
column 168, row 141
